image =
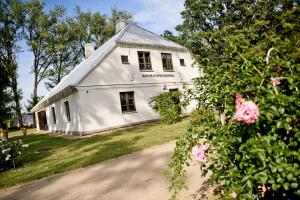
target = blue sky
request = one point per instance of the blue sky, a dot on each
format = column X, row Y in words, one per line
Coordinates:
column 154, row 15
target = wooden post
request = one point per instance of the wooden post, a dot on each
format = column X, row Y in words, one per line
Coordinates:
column 24, row 131
column 4, row 133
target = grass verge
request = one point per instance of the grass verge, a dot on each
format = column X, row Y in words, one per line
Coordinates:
column 48, row 155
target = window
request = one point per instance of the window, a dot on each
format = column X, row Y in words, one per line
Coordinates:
column 67, row 109
column 166, row 59
column 124, row 59
column 127, row 101
column 144, row 60
column 53, row 115
column 182, row 62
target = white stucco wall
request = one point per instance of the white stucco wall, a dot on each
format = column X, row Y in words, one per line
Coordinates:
column 62, row 124
column 95, row 106
column 112, row 71
column 101, row 107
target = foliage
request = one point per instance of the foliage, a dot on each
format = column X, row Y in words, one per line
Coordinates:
column 175, row 38
column 63, row 51
column 97, row 28
column 11, row 23
column 37, row 27
column 241, row 46
column 168, row 106
column 67, row 37
column 9, row 152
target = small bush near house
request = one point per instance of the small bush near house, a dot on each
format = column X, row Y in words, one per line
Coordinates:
column 9, row 152
column 168, row 106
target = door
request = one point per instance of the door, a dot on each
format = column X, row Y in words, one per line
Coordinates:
column 43, row 120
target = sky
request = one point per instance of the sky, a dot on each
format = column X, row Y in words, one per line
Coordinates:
column 154, row 15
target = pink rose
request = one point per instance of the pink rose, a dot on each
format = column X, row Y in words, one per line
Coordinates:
column 233, row 195
column 238, row 100
column 204, row 147
column 276, row 81
column 247, row 112
column 199, row 153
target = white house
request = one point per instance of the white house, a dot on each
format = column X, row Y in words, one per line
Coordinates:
column 112, row 87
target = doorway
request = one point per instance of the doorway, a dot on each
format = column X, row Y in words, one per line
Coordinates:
column 43, row 120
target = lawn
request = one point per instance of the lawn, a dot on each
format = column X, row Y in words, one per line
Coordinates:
column 48, row 155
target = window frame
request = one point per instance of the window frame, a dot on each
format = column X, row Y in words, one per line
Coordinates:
column 67, row 110
column 127, row 105
column 144, row 63
column 167, row 56
column 53, row 115
column 126, row 61
column 182, row 63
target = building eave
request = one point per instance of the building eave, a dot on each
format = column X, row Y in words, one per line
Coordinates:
column 62, row 94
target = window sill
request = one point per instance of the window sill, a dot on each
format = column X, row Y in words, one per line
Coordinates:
column 126, row 63
column 169, row 70
column 129, row 112
column 146, row 70
column 183, row 65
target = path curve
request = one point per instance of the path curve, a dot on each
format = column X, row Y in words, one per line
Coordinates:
column 137, row 176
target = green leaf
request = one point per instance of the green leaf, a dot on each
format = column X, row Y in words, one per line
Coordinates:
column 286, row 186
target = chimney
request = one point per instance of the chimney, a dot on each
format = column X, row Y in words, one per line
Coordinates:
column 89, row 49
column 120, row 23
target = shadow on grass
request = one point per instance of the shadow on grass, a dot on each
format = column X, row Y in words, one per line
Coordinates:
column 129, row 174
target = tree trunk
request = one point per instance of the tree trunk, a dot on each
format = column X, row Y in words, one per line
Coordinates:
column 35, row 96
column 17, row 100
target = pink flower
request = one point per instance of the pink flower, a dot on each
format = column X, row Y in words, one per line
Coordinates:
column 199, row 153
column 276, row 81
column 233, row 195
column 247, row 112
column 262, row 188
column 238, row 100
column 204, row 147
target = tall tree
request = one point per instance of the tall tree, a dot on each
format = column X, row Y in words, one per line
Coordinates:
column 97, row 28
column 36, row 32
column 175, row 38
column 5, row 97
column 63, row 51
column 11, row 23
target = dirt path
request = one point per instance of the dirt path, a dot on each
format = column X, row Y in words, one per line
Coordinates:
column 137, row 176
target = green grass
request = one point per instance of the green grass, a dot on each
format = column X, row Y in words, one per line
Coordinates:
column 48, row 155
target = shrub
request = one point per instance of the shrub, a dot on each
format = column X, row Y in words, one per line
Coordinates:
column 251, row 77
column 9, row 152
column 168, row 106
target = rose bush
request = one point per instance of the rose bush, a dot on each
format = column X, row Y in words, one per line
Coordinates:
column 251, row 70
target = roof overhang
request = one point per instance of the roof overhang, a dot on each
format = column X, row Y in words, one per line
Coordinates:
column 132, row 44
column 62, row 94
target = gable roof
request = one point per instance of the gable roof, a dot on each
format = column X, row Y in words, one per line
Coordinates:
column 131, row 34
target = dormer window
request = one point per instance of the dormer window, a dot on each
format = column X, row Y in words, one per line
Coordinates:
column 144, row 61
column 124, row 59
column 182, row 63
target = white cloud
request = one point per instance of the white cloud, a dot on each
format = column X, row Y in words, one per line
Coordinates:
column 159, row 15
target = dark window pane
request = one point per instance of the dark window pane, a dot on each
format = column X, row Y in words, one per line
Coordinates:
column 167, row 61
column 182, row 62
column 144, row 60
column 131, row 108
column 67, row 109
column 124, row 59
column 127, row 101
column 53, row 115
